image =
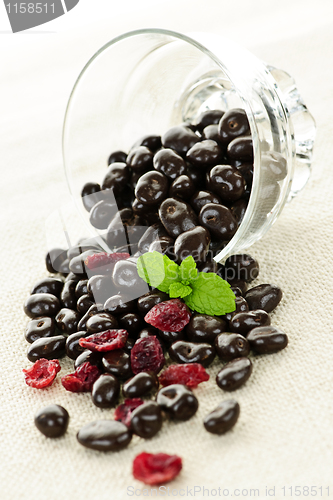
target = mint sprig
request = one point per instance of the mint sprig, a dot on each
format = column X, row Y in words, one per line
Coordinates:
column 206, row 293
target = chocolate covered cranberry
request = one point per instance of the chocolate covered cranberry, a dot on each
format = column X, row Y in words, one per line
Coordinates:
column 140, row 385
column 67, row 320
column 104, row 435
column 227, row 182
column 211, row 132
column 135, row 229
column 73, row 348
column 164, row 246
column 81, row 288
column 119, row 304
column 153, row 233
column 94, row 309
column 77, row 263
column 241, row 284
column 94, row 358
column 194, row 242
column 234, row 123
column 238, row 209
column 91, row 194
column 118, row 363
column 244, row 322
column 182, row 187
column 116, row 231
column 48, row 285
column 218, row 220
column 197, row 175
column 131, row 322
column 140, row 158
column 146, row 420
column 234, row 374
column 242, row 267
column 105, row 391
column 52, row 421
column 223, row 418
column 180, row 138
column 116, row 178
column 101, row 287
column 47, row 347
column 149, row 300
column 152, row 188
column 151, row 141
column 147, row 211
column 204, row 328
column 209, row 117
column 150, row 331
column 231, row 345
column 202, row 198
column 117, row 157
column 54, row 259
column 241, row 306
column 267, row 339
column 177, row 216
column 125, row 198
column 265, row 297
column 241, row 149
column 125, row 277
column 102, row 213
column 78, row 249
column 171, row 337
column 38, row 328
column 41, row 304
column 169, row 163
column 204, row 154
column 246, row 169
column 101, row 322
column 274, row 166
column 208, row 266
column 189, row 352
column 84, row 303
column 178, row 401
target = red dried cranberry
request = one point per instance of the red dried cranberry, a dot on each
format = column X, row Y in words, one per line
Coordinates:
column 42, row 373
column 191, row 374
column 147, row 355
column 156, row 468
column 82, row 379
column 103, row 259
column 169, row 316
column 124, row 411
column 105, row 341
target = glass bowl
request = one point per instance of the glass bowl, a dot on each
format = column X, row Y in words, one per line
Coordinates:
column 146, row 81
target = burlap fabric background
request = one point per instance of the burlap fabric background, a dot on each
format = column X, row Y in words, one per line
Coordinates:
column 284, row 435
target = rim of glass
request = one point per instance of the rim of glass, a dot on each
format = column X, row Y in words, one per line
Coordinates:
column 241, row 93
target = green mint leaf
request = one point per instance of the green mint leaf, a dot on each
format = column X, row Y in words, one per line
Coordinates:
column 150, row 268
column 188, row 270
column 158, row 270
column 179, row 290
column 171, row 270
column 211, row 295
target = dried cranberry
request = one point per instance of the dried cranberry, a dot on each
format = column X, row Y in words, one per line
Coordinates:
column 124, row 411
column 171, row 315
column 105, row 341
column 82, row 379
column 191, row 374
column 42, row 373
column 156, row 468
column 147, row 355
column 103, row 259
